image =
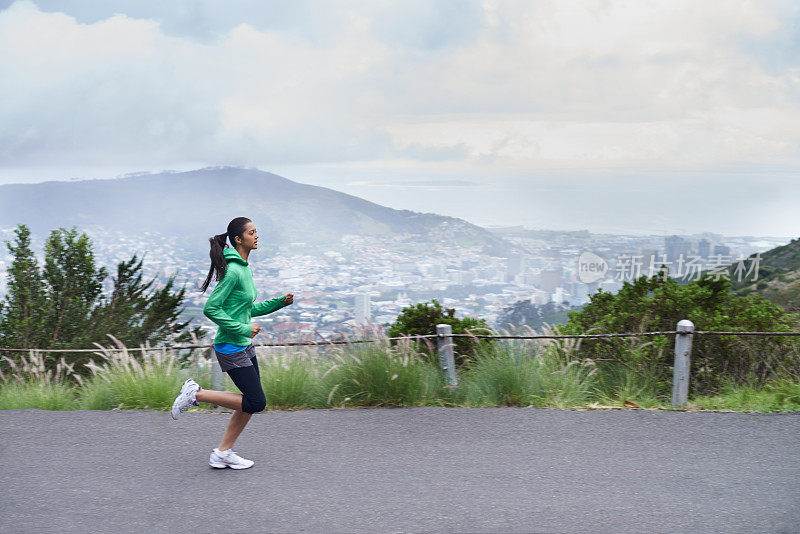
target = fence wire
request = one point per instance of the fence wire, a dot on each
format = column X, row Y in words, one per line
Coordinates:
column 425, row 336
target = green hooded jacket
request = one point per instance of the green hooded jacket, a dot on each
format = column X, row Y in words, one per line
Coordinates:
column 232, row 302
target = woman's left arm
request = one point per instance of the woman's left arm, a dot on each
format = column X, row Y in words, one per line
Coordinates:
column 269, row 306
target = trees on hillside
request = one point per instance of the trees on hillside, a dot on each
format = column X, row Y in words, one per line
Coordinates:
column 524, row 312
column 62, row 305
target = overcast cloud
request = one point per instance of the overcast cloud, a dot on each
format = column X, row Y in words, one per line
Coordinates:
column 348, row 92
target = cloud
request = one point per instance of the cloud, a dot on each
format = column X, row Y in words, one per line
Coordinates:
column 511, row 85
column 414, row 183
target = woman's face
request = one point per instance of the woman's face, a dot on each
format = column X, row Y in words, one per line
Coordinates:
column 250, row 236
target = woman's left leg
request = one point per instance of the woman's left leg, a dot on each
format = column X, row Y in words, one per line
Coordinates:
column 236, row 424
column 248, row 380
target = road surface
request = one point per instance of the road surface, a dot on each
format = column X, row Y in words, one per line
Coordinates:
column 402, row 470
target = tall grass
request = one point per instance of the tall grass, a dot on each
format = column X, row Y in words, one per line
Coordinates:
column 379, row 374
column 514, row 372
column 782, row 394
column 30, row 385
column 634, row 379
column 123, row 381
column 290, row 377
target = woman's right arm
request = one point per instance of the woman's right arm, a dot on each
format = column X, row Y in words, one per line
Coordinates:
column 213, row 308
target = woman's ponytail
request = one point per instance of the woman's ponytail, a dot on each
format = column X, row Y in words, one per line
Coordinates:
column 218, row 263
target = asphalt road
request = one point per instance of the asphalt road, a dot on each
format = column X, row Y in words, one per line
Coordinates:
column 402, row 470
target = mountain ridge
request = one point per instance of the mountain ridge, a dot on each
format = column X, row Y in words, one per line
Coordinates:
column 202, row 202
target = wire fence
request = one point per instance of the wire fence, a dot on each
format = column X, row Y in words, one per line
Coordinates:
column 420, row 336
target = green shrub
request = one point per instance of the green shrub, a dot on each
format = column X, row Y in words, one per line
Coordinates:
column 786, row 391
column 634, row 378
column 422, row 318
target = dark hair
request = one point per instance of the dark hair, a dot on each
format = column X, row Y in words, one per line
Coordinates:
column 218, row 263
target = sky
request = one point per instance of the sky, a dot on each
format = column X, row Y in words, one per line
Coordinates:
column 632, row 117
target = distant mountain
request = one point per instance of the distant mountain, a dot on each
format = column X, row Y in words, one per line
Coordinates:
column 197, row 204
column 778, row 276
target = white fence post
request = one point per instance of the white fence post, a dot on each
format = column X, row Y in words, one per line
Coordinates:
column 444, row 345
column 683, row 358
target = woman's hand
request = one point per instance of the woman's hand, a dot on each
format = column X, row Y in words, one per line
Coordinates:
column 256, row 330
column 289, row 298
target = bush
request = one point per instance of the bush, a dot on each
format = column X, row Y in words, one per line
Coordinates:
column 422, row 319
column 778, row 395
column 658, row 303
column 634, row 378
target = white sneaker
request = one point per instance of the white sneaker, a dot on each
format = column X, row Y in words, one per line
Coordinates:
column 185, row 398
column 223, row 459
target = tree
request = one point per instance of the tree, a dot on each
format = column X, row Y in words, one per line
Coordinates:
column 74, row 286
column 22, row 316
column 422, row 319
column 137, row 313
column 524, row 312
column 63, row 306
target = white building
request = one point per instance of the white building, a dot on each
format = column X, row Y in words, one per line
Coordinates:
column 362, row 304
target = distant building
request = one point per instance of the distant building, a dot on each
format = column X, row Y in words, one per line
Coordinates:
column 579, row 294
column 362, row 304
column 540, row 298
column 516, row 264
column 648, row 253
column 551, row 279
column 675, row 246
column 465, row 277
column 611, row 286
column 402, row 300
column 560, row 295
column 722, row 250
column 406, row 267
column 704, row 248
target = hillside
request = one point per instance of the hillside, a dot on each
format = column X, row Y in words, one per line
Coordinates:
column 778, row 277
column 201, row 202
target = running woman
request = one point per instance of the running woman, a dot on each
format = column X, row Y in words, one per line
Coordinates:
column 231, row 306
